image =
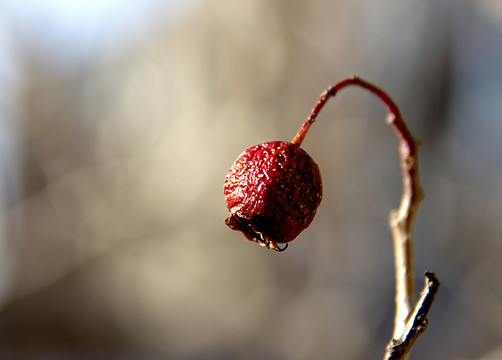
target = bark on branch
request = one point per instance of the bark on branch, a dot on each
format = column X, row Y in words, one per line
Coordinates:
column 400, row 347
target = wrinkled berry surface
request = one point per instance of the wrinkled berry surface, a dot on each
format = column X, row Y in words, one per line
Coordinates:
column 272, row 192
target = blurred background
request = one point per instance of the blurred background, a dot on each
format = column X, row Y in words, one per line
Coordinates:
column 120, row 119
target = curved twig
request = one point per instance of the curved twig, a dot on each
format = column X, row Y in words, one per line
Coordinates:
column 401, row 220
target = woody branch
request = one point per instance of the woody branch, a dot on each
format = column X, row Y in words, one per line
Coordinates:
column 402, row 220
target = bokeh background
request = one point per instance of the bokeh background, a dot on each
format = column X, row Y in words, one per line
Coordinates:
column 120, row 119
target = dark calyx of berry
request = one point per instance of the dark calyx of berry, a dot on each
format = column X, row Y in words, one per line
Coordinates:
column 272, row 193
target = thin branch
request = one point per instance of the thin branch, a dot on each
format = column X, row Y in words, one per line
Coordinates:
column 401, row 220
column 400, row 347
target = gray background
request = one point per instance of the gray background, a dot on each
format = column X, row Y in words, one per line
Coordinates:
column 119, row 121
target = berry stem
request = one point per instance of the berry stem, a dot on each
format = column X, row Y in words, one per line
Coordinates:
column 395, row 116
column 401, row 220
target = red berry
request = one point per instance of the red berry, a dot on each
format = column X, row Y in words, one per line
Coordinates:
column 272, row 192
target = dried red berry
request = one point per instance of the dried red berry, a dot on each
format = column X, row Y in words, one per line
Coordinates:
column 272, row 192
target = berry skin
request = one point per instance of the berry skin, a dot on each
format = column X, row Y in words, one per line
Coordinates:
column 272, row 192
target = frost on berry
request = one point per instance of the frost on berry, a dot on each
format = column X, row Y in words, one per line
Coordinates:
column 272, row 193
